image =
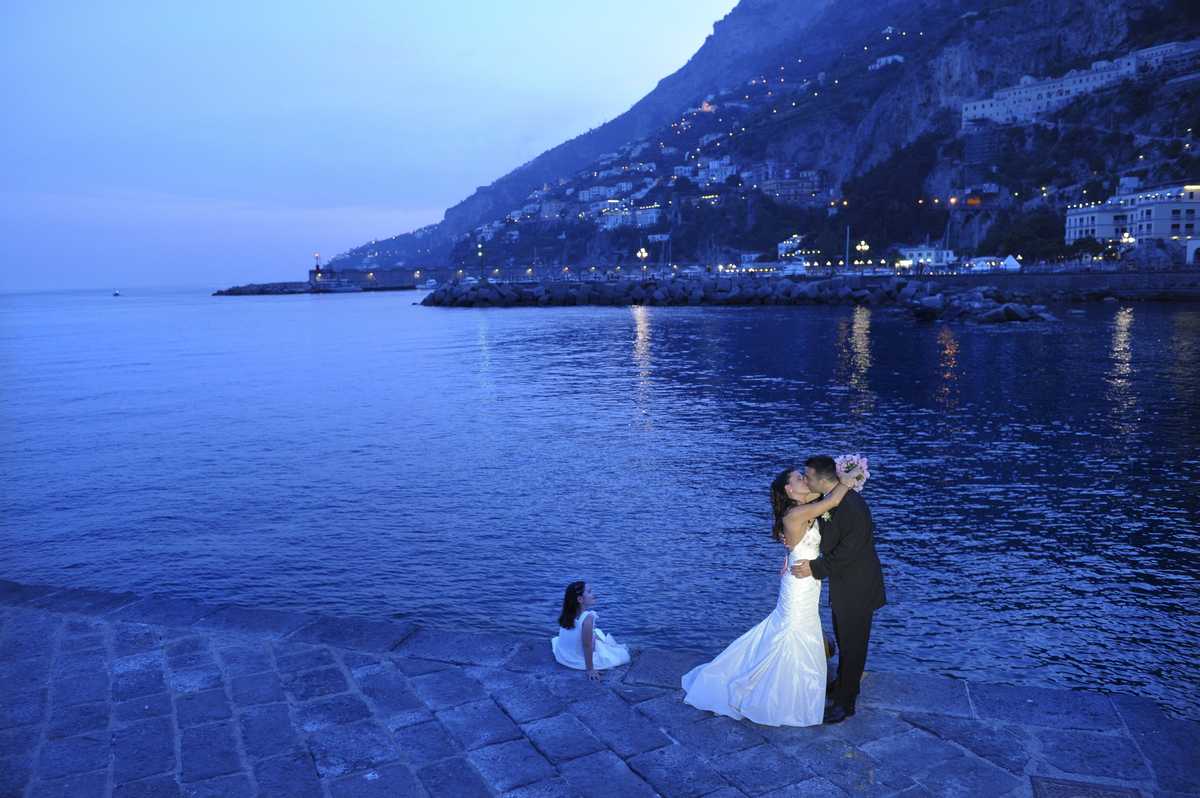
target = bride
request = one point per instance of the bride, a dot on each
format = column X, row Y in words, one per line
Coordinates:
column 775, row 673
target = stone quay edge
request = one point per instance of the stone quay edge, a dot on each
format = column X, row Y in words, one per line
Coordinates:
column 116, row 694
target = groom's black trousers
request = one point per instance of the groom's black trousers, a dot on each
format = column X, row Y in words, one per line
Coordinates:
column 852, row 628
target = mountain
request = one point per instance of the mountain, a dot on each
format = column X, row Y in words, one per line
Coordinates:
column 868, row 94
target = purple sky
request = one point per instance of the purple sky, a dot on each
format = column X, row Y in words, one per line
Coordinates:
column 207, row 144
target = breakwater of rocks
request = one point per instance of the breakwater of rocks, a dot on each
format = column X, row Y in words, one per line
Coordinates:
column 952, row 299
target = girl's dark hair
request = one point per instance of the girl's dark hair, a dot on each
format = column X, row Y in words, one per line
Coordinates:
column 570, row 610
column 780, row 501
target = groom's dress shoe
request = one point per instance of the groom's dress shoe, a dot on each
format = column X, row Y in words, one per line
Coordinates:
column 837, row 713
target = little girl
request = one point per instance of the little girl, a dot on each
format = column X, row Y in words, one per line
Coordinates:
column 580, row 644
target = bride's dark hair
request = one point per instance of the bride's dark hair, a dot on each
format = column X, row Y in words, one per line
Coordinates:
column 780, row 501
column 570, row 608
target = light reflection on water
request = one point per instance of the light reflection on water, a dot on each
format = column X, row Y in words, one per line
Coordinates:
column 1033, row 486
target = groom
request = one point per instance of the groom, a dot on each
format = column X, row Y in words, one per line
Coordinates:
column 848, row 560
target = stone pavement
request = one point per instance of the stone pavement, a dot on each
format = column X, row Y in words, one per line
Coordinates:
column 139, row 697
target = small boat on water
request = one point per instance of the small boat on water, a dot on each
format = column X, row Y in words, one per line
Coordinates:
column 116, row 292
column 429, row 284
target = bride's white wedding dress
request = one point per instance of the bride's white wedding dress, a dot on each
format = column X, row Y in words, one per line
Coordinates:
column 775, row 673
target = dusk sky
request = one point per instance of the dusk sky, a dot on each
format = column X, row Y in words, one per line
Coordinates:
column 171, row 144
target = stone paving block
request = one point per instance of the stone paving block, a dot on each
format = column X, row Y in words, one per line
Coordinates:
column 162, row 611
column 91, row 642
column 197, row 661
column 618, row 725
column 183, row 646
column 141, row 708
column 415, row 666
column 23, row 675
column 755, row 771
column 335, row 711
column 637, row 693
column 663, row 668
column 669, row 711
column 852, row 769
column 463, row 648
column 527, row 702
column 918, row 748
column 425, row 743
column 206, row 706
column 194, row 680
column 83, row 785
column 23, row 709
column 208, row 751
column 389, row 781
column 15, row 773
column 356, row 661
column 453, row 777
column 509, row 765
column 290, row 776
column 409, row 717
column 74, row 627
column 1002, row 745
column 715, row 736
column 143, row 749
column 909, row 692
column 870, row 725
column 257, row 688
column 389, row 691
column 442, row 689
column 86, row 663
column 676, row 772
column 1036, row 706
column 550, row 788
column 478, row 724
column 290, row 657
column 1091, row 754
column 246, row 659
column 18, row 741
column 727, row 792
column 136, row 683
column 306, row 685
column 1046, row 787
column 71, row 755
column 339, row 750
column 70, row 720
column 163, row 786
column 272, row 623
column 602, row 775
column 267, row 731
column 494, row 679
column 235, row 786
column 968, row 777
column 135, row 639
column 816, row 787
column 354, row 633
column 1172, row 746
column 572, row 685
column 532, row 656
column 80, row 688
column 562, row 737
column 84, row 602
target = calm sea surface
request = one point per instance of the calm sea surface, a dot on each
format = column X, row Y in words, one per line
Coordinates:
column 1034, row 487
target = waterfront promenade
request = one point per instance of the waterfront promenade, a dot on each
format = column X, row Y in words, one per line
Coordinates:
column 138, row 697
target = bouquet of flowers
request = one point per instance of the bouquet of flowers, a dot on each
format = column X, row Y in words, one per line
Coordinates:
column 852, row 469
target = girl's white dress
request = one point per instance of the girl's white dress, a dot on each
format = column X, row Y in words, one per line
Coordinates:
column 568, row 647
column 775, row 673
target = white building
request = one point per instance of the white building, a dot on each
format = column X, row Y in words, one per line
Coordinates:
column 648, row 216
column 1031, row 97
column 926, row 255
column 788, row 247
column 685, row 171
column 613, row 218
column 880, row 63
column 1167, row 213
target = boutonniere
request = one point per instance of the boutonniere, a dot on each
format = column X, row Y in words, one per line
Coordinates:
column 826, row 516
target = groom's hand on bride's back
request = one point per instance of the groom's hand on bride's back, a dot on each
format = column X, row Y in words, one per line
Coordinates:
column 801, row 569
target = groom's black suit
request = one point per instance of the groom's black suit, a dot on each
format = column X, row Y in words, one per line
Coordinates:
column 848, row 560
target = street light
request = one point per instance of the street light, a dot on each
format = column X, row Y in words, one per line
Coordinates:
column 862, row 247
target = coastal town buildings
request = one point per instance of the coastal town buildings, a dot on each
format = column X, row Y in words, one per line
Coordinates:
column 1033, row 96
column 926, row 255
column 1165, row 213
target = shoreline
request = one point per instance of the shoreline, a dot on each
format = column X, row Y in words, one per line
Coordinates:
column 111, row 693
